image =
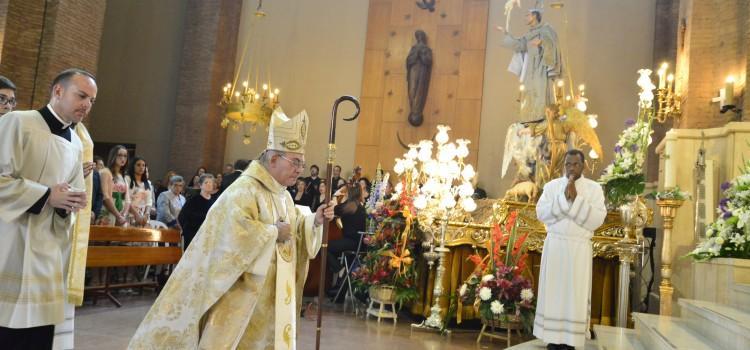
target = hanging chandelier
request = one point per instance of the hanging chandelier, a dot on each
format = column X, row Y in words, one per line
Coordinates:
column 245, row 107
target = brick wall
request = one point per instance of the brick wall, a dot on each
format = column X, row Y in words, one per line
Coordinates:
column 43, row 38
column 208, row 54
column 713, row 46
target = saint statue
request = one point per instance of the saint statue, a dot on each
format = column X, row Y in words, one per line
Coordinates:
column 418, row 70
column 537, row 62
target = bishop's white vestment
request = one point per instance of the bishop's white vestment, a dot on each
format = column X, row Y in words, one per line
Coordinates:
column 236, row 287
column 564, row 299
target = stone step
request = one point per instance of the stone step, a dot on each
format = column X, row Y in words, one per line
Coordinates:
column 726, row 326
column 741, row 296
column 657, row 332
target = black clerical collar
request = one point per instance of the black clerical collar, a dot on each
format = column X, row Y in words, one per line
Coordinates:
column 55, row 125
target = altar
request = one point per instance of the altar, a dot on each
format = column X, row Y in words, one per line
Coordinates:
column 467, row 238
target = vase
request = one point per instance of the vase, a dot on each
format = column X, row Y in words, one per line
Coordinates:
column 634, row 214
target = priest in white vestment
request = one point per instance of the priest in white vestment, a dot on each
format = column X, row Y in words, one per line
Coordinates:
column 41, row 188
column 239, row 284
column 571, row 208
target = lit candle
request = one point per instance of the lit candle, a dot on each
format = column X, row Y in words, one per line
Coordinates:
column 581, row 89
column 729, row 91
column 662, row 72
column 670, row 81
column 669, row 164
column 559, row 89
column 520, row 92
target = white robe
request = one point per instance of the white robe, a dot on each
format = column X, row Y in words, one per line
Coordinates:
column 36, row 247
column 563, row 306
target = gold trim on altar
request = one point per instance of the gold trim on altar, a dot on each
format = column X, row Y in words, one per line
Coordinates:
column 476, row 229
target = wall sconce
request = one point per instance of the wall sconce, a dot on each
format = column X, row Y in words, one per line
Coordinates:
column 726, row 98
column 668, row 101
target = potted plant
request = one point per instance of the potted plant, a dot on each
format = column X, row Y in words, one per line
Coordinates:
column 497, row 288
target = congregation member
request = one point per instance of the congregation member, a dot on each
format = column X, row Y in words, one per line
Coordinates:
column 7, row 95
column 239, row 284
column 114, row 189
column 42, row 186
column 170, row 202
column 301, row 195
column 353, row 221
column 320, row 198
column 571, row 207
column 239, row 166
column 313, row 181
column 336, row 179
column 141, row 194
column 194, row 180
column 194, row 211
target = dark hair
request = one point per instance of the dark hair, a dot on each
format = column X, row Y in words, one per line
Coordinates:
column 314, row 166
column 112, row 158
column 241, row 164
column 97, row 158
column 5, row 83
column 538, row 15
column 131, row 172
column 576, row 152
column 368, row 184
column 64, row 77
column 354, row 193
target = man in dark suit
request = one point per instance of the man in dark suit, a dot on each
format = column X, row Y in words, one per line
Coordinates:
column 239, row 167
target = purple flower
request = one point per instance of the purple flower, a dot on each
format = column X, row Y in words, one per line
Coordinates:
column 630, row 122
column 727, row 215
column 618, row 149
column 723, row 203
column 725, row 186
column 633, row 148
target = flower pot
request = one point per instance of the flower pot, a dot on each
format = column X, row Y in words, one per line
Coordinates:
column 383, row 293
column 505, row 322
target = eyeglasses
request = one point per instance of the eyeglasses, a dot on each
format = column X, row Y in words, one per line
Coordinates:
column 5, row 100
column 296, row 162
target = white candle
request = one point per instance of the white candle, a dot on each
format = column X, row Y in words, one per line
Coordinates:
column 669, row 165
column 729, row 91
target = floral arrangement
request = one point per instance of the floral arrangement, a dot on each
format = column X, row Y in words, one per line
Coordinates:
column 672, row 193
column 497, row 287
column 388, row 261
column 729, row 235
column 624, row 177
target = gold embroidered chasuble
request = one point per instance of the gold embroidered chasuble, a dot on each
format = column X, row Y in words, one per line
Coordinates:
column 222, row 294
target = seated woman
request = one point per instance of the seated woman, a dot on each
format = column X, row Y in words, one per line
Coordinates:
column 170, row 202
column 194, row 211
column 301, row 197
column 353, row 219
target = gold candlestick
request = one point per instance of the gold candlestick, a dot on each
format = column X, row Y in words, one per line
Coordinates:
column 668, row 210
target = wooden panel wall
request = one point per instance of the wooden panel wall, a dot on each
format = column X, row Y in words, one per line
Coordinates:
column 456, row 32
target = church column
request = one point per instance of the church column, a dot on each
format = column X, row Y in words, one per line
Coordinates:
column 208, row 54
column 711, row 46
column 42, row 38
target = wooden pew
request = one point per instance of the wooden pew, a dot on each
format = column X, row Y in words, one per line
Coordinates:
column 106, row 251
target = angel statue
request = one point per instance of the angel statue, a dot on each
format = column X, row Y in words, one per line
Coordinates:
column 538, row 147
column 536, row 60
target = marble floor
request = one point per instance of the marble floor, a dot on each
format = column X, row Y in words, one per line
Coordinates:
column 106, row 327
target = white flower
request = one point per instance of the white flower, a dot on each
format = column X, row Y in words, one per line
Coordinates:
column 719, row 240
column 462, row 290
column 527, row 294
column 485, row 293
column 487, row 278
column 497, row 307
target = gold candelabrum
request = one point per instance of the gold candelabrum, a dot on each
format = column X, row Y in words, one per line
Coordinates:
column 668, row 210
column 668, row 101
column 442, row 190
column 248, row 106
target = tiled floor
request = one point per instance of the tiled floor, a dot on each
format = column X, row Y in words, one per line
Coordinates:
column 107, row 327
